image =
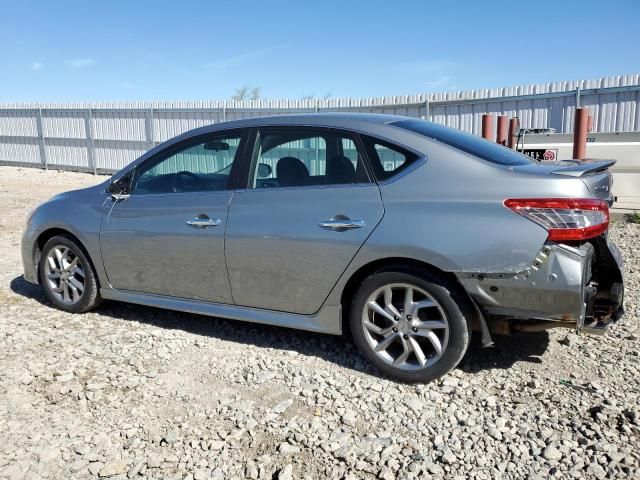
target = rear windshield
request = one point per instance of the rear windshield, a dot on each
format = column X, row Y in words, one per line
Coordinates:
column 492, row 152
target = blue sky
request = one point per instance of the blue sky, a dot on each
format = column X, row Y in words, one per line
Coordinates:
column 117, row 50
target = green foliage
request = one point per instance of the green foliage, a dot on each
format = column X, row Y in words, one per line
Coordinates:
column 634, row 218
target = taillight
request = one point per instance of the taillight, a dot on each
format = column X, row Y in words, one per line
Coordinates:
column 564, row 218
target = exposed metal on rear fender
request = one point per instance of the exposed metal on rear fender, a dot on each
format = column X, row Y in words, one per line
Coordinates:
column 551, row 288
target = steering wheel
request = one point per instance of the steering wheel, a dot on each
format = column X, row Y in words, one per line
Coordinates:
column 186, row 181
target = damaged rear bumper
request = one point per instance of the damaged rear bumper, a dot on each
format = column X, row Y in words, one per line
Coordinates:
column 578, row 286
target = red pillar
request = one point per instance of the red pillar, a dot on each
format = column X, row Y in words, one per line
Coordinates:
column 487, row 127
column 580, row 133
column 513, row 132
column 502, row 130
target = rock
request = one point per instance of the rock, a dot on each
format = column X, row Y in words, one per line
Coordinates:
column 552, row 453
column 81, row 449
column 597, row 471
column 114, row 467
column 286, row 473
column 47, row 454
column 386, row 474
column 448, row 457
column 200, row 474
column 154, row 461
column 217, row 474
column 217, row 445
column 251, row 471
column 283, row 405
column 137, row 467
column 349, row 418
column 64, row 378
column 95, row 467
column 288, row 449
column 169, row 439
column 265, row 377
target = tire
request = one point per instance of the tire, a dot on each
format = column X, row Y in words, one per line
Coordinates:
column 62, row 251
column 435, row 300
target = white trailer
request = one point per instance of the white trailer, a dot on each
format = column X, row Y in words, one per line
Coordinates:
column 623, row 147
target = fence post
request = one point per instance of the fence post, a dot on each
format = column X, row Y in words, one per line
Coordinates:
column 43, row 151
column 148, row 128
column 89, row 134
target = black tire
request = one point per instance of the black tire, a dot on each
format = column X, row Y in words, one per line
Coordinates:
column 451, row 300
column 90, row 297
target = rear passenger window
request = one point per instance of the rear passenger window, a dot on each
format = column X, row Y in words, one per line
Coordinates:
column 298, row 157
column 387, row 159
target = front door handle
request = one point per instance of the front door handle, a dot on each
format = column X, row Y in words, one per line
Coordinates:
column 341, row 223
column 203, row 221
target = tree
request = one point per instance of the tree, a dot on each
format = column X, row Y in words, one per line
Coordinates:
column 246, row 93
column 313, row 96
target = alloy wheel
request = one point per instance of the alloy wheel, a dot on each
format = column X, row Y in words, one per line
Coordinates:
column 405, row 326
column 64, row 274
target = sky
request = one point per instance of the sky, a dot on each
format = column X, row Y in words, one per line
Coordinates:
column 200, row 50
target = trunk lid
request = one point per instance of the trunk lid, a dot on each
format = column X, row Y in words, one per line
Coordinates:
column 593, row 173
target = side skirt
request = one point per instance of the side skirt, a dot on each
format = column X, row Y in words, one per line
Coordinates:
column 327, row 320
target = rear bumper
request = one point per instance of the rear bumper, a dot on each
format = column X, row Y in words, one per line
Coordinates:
column 578, row 287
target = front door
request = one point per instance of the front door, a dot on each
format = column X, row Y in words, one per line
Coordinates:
column 308, row 208
column 167, row 238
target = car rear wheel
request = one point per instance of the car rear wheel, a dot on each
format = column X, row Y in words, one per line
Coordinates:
column 67, row 276
column 410, row 325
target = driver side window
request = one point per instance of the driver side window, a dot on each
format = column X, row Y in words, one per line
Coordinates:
column 197, row 167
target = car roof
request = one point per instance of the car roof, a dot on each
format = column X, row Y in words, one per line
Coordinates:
column 364, row 122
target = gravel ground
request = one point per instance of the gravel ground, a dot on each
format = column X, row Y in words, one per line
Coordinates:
column 136, row 392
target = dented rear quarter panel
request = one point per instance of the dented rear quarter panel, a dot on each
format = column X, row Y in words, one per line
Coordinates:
column 448, row 212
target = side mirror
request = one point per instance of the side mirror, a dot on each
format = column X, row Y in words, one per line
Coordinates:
column 264, row 170
column 121, row 188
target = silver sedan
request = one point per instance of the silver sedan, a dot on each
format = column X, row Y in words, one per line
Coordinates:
column 405, row 234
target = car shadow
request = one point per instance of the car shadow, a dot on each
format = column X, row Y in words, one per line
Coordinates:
column 336, row 349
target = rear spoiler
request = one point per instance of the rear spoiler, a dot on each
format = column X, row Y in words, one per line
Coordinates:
column 580, row 168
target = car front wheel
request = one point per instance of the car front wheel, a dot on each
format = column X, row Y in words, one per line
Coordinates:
column 410, row 325
column 67, row 276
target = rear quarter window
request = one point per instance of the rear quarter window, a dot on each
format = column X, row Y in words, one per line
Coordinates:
column 386, row 158
column 472, row 144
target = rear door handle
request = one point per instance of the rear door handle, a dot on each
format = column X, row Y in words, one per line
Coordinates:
column 203, row 221
column 340, row 223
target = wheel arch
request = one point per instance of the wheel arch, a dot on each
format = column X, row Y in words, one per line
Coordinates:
column 399, row 264
column 48, row 234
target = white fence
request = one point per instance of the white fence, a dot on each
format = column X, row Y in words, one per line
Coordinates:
column 103, row 137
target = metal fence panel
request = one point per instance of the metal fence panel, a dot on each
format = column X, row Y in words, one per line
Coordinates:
column 18, row 123
column 106, row 136
column 20, row 150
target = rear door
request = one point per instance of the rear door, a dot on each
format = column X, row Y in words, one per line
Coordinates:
column 309, row 206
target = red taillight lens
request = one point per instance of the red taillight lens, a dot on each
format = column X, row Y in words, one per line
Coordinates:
column 564, row 218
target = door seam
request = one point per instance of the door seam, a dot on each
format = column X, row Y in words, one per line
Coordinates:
column 224, row 243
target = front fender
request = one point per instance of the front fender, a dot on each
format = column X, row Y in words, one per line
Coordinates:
column 78, row 213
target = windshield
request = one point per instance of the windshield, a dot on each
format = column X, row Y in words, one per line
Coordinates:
column 479, row 147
